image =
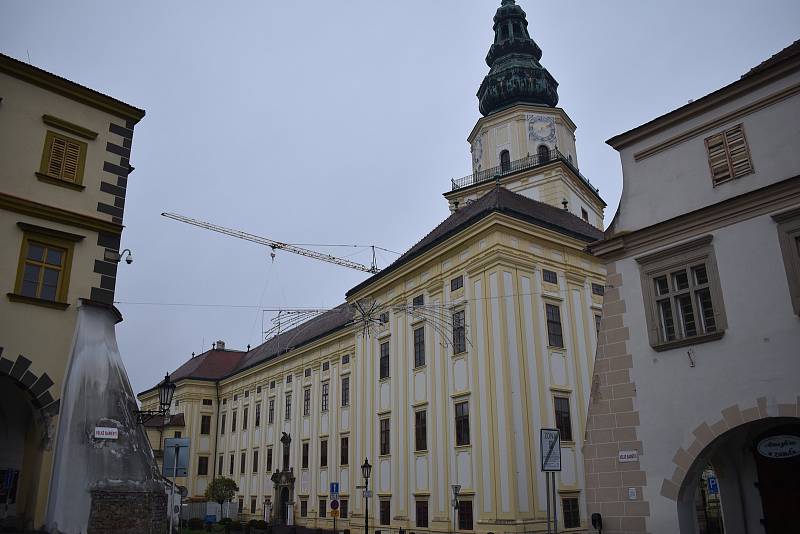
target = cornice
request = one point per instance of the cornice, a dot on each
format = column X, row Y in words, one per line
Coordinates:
column 70, row 127
column 769, row 199
column 68, row 89
column 60, row 215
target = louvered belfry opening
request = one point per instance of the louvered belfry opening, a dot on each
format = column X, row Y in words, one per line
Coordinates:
column 728, row 155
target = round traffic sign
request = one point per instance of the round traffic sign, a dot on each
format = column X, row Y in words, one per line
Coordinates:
column 334, row 504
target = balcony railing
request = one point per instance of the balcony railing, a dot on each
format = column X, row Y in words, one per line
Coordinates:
column 519, row 165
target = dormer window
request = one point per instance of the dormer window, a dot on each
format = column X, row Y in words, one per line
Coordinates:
column 505, row 161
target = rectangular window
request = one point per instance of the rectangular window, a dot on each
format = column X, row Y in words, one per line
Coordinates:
column 323, row 508
column 683, row 303
column 384, row 361
column 345, row 359
column 549, row 276
column 421, row 430
column 205, row 424
column 563, row 419
column 598, row 289
column 202, row 465
column 207, row 402
column 241, row 504
column 344, row 451
column 233, row 421
column 224, row 402
column 419, row 346
column 584, row 214
column 269, row 459
column 235, row 398
column 307, row 402
column 258, row 415
column 255, row 461
column 304, row 465
column 230, row 466
column 571, row 512
column 245, row 414
column 288, row 379
column 303, row 508
column 419, row 300
column 272, row 384
column 555, row 337
column 323, row 453
column 455, row 284
column 63, row 158
column 308, row 372
column 383, row 318
column 459, row 332
column 464, row 515
column 346, row 391
column 252, row 505
column 219, row 465
column 247, row 394
column 177, row 434
column 44, row 266
column 728, row 155
column 422, row 514
column 462, row 423
column 258, row 390
column 271, row 412
column 326, row 366
column 242, row 462
column 288, row 406
column 386, row 515
column 384, row 436
column 343, row 508
column 789, row 238
column 325, row 388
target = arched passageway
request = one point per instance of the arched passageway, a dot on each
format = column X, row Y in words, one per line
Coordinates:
column 19, row 455
column 756, row 481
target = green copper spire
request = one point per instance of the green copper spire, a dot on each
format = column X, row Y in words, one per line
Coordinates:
column 515, row 74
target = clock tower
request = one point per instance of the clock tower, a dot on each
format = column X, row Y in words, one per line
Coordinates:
column 524, row 142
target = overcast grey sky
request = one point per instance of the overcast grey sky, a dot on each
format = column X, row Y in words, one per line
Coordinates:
column 341, row 122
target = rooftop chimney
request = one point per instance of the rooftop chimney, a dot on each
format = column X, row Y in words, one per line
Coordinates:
column 220, row 345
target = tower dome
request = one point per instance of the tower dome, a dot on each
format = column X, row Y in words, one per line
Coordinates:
column 515, row 74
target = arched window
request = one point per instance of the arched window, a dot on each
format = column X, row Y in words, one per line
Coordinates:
column 544, row 153
column 505, row 161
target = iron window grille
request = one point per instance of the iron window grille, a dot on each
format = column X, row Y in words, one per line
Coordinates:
column 459, row 332
column 346, row 391
column 325, row 388
column 419, row 346
column 455, row 284
column 551, row 277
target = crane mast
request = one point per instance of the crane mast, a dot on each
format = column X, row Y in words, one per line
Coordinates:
column 276, row 245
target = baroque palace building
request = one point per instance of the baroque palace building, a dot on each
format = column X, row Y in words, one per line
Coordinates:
column 440, row 369
column 64, row 166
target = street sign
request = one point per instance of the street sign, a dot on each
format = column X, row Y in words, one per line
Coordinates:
column 550, row 449
column 105, row 432
column 367, row 493
column 713, row 485
column 334, row 504
column 334, row 513
column 169, row 457
column 334, row 490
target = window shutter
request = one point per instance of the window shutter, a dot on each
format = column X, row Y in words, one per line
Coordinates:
column 718, row 158
column 71, row 161
column 56, row 160
column 738, row 153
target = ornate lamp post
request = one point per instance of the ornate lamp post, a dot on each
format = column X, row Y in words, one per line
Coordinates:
column 366, row 469
column 166, row 390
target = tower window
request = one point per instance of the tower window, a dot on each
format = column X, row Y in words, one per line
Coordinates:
column 505, row 161
column 504, row 31
column 518, row 30
column 544, row 153
column 584, row 215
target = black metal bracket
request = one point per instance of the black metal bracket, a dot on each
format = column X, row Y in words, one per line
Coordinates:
column 143, row 416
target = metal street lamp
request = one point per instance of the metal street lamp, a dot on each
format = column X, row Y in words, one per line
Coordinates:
column 366, row 469
column 166, row 390
column 456, row 491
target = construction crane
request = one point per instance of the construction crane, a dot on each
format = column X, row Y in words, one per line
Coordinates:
column 277, row 245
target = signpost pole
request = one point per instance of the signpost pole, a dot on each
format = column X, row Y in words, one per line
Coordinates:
column 555, row 503
column 172, row 492
column 547, row 485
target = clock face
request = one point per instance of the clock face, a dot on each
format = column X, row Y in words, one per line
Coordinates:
column 541, row 128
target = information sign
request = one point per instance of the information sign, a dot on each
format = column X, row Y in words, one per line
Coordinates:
column 334, row 487
column 105, row 432
column 367, row 493
column 550, row 448
column 170, row 446
column 334, row 513
column 713, row 486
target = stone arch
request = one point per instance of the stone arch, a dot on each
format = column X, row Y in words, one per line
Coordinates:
column 727, row 444
column 38, row 388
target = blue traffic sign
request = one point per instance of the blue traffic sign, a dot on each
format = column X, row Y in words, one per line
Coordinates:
column 334, row 488
column 713, row 486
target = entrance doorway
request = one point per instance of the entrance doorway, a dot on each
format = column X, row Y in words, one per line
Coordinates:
column 17, row 487
column 284, row 506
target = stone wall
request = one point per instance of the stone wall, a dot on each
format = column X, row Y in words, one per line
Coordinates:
column 128, row 512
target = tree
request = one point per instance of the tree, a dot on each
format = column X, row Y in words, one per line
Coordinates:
column 221, row 490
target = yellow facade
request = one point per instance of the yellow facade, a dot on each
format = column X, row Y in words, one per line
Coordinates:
column 40, row 208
